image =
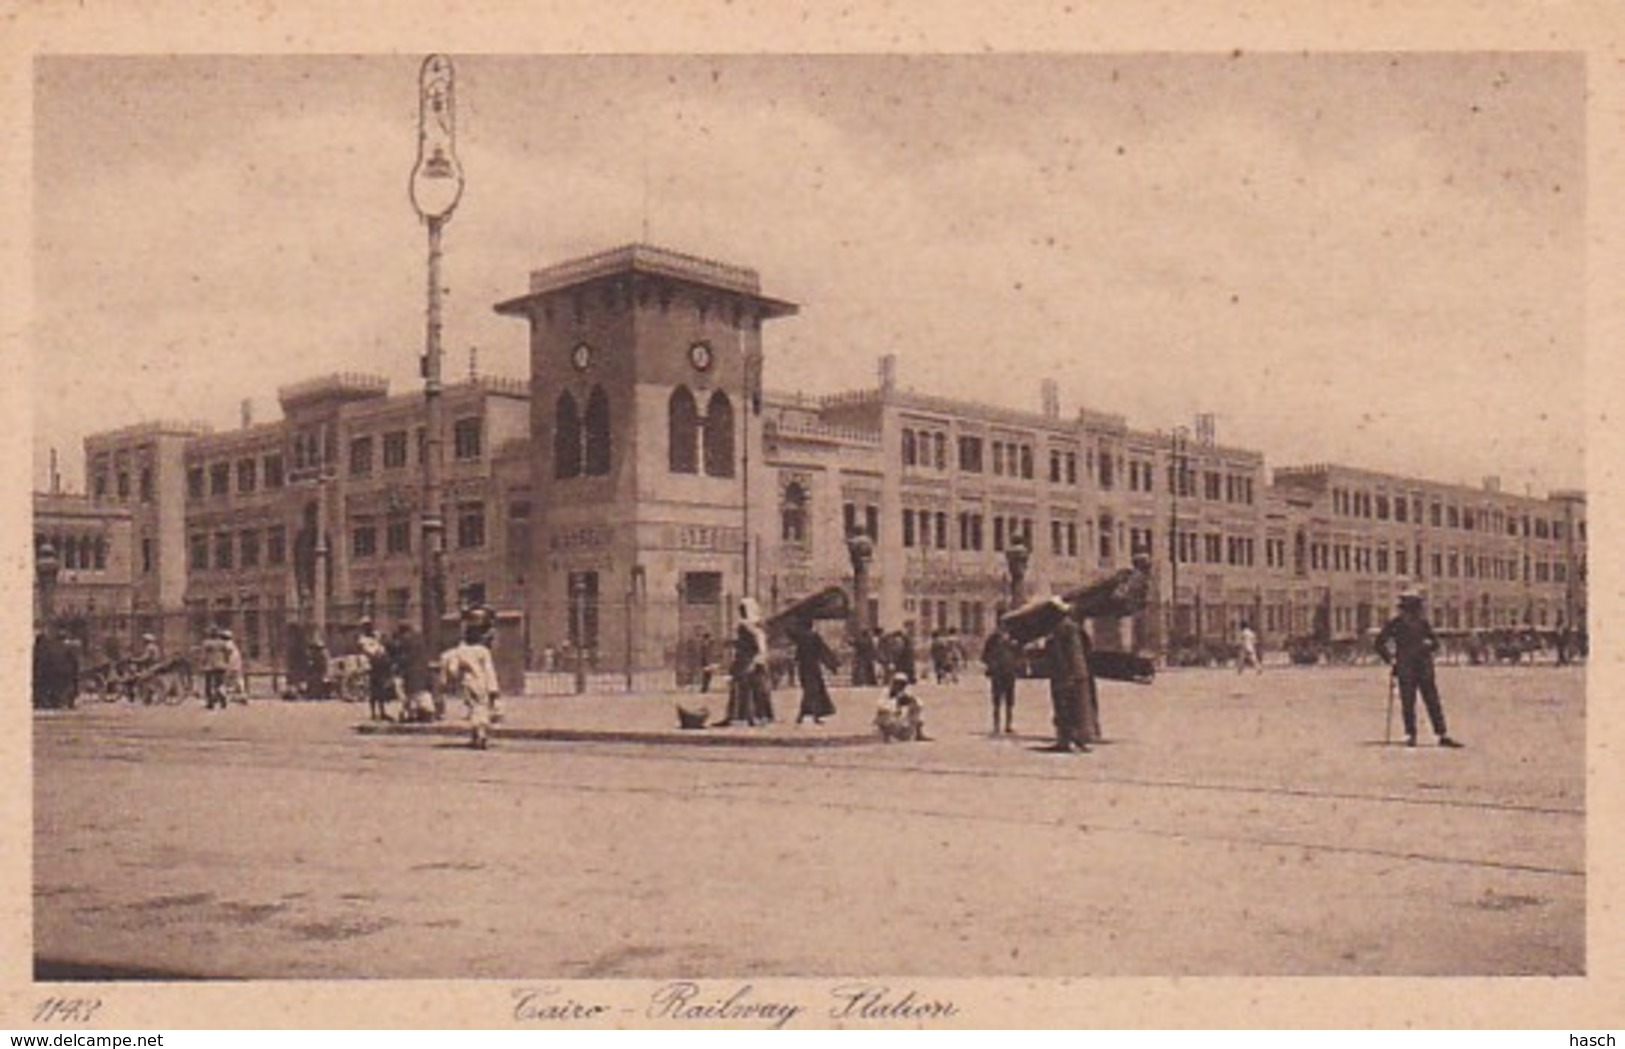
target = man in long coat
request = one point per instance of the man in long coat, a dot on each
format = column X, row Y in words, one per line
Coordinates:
column 1072, row 687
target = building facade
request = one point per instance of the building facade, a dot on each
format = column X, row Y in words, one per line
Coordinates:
column 641, row 480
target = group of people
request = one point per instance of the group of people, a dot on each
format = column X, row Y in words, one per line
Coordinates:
column 221, row 662
column 399, row 672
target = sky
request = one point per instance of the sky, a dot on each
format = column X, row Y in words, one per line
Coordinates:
column 1372, row 259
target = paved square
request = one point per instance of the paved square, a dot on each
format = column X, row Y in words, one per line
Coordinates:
column 1232, row 825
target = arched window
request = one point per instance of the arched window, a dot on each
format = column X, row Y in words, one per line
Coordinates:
column 683, row 425
column 793, row 513
column 909, row 455
column 566, row 438
column 596, row 434
column 719, row 436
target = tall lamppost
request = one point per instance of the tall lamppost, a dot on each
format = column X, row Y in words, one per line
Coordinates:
column 436, row 187
column 1177, row 473
column 861, row 549
column 1016, row 557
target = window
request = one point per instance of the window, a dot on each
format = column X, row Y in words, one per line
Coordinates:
column 939, row 443
column 581, row 589
column 247, row 475
column 1211, row 484
column 197, row 554
column 1105, row 530
column 395, row 450
column 146, row 556
column 1072, row 539
column 998, row 533
column 219, row 479
column 364, row 538
column 273, row 471
column 361, row 457
column 793, row 514
column 466, row 439
column 99, row 485
column 595, row 434
column 719, row 436
column 123, row 484
column 222, row 549
column 1054, row 467
column 1056, row 541
column 249, row 548
column 871, row 521
column 397, row 602
column 276, row 545
column 1435, row 515
column 1071, row 467
column 1107, row 479
column 849, row 518
column 942, row 530
column 470, row 525
column 1027, row 462
column 909, row 451
column 970, row 454
column 146, row 484
column 194, row 483
column 398, row 535
column 566, row 438
column 908, row 527
column 682, row 428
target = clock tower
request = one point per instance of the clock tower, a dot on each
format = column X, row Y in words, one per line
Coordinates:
column 645, row 385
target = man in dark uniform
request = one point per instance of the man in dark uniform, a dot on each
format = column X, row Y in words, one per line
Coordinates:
column 1407, row 644
column 999, row 657
column 1071, row 688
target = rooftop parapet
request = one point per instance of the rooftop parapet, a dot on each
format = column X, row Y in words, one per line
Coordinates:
column 151, row 428
column 340, row 386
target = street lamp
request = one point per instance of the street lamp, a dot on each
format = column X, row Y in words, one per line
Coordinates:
column 1017, row 556
column 861, row 549
column 436, row 187
column 47, row 566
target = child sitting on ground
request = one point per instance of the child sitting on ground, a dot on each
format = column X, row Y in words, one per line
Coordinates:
column 900, row 716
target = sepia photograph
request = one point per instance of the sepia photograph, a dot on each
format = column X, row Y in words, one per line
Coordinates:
column 805, row 539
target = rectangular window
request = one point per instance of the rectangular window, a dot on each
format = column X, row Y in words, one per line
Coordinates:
column 908, row 527
column 222, row 549
column 470, row 525
column 276, row 545
column 146, row 556
column 398, row 536
column 466, row 439
column 273, row 471
column 247, row 475
column 1054, row 467
column 249, row 548
column 194, row 482
column 1056, row 540
column 1071, row 467
column 1107, row 478
column 395, row 450
column 397, row 602
column 998, row 533
column 219, row 479
column 363, row 538
column 849, row 518
column 871, row 521
column 1072, row 539
column 361, row 457
column 942, row 530
column 1027, row 462
column 970, row 454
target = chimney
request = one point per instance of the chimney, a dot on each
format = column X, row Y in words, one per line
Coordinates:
column 248, row 412
column 888, row 373
column 56, row 476
column 1051, row 395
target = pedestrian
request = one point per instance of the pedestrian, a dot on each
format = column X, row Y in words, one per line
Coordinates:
column 379, row 670
column 748, row 698
column 143, row 665
column 902, row 653
column 1000, row 656
column 900, row 716
column 1072, row 686
column 1407, row 644
column 812, row 658
column 1248, row 656
column 940, row 655
column 468, row 670
column 216, row 658
column 411, row 658
column 235, row 685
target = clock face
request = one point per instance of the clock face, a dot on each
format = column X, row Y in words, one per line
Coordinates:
column 699, row 355
column 581, row 357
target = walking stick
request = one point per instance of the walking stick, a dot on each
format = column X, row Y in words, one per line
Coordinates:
column 1388, row 724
